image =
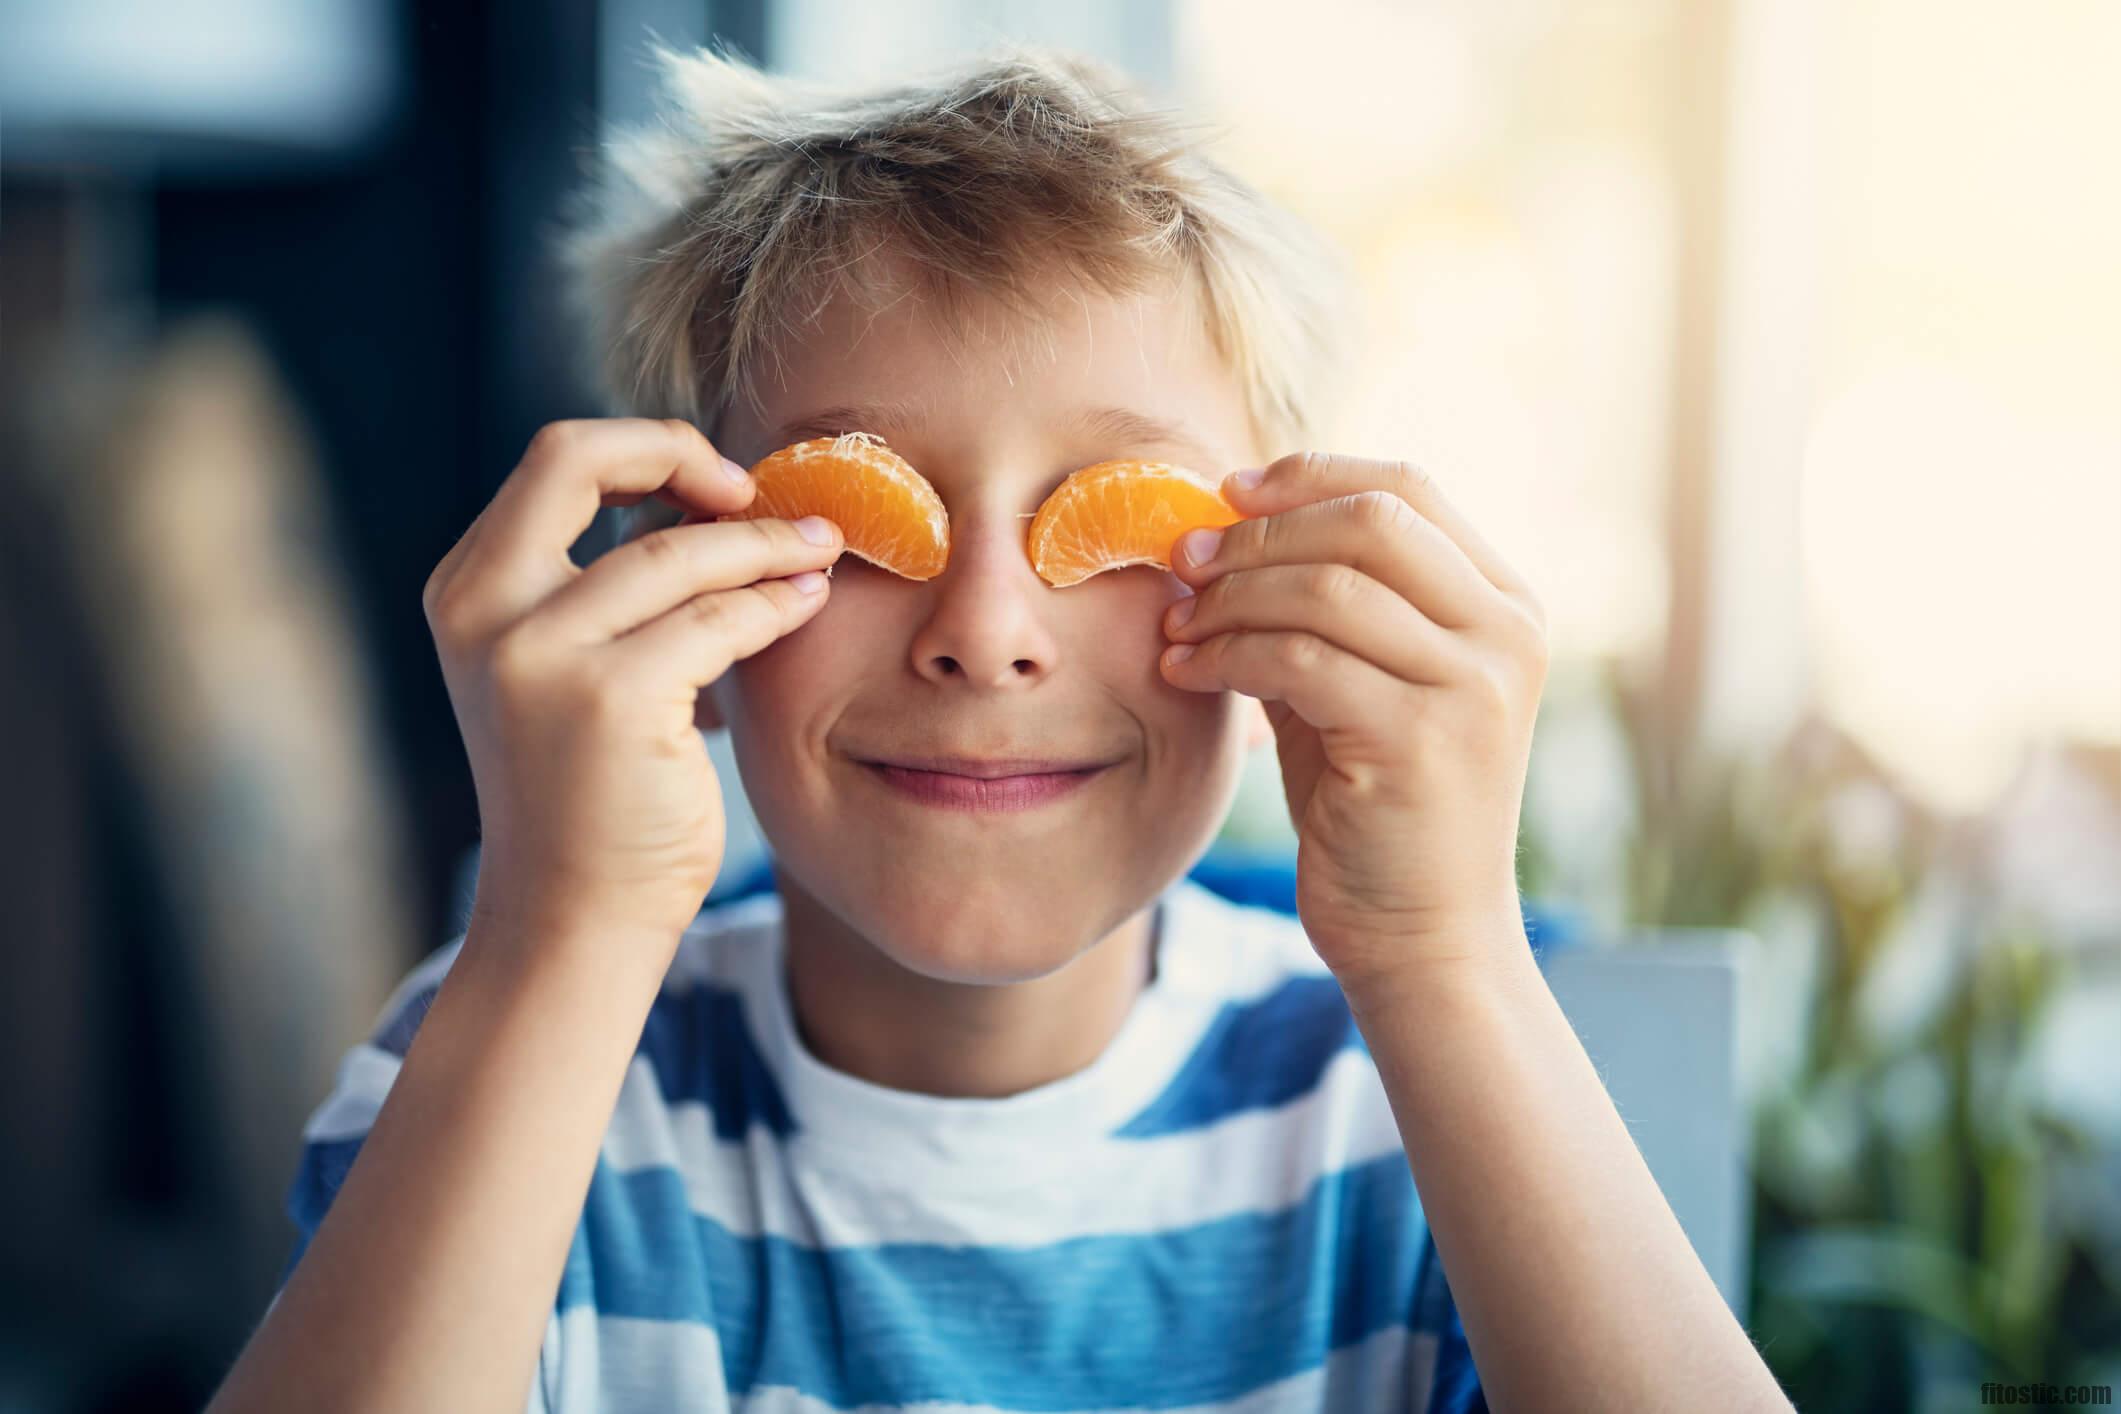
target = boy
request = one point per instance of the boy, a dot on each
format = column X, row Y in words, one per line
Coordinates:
column 984, row 1107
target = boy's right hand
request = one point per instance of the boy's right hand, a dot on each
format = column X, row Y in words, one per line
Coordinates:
column 575, row 688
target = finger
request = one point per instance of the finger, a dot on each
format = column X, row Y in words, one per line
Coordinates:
column 634, row 498
column 1326, row 685
column 1311, row 476
column 520, row 555
column 648, row 577
column 448, row 567
column 1372, row 531
column 700, row 638
column 1341, row 605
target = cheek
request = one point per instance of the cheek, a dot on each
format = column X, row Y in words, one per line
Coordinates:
column 1131, row 610
column 1122, row 638
column 793, row 666
column 777, row 690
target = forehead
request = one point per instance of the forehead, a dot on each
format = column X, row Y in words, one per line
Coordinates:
column 1068, row 363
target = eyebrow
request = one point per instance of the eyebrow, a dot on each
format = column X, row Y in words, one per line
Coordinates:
column 1121, row 426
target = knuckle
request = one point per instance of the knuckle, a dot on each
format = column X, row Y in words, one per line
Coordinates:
column 661, row 548
column 554, row 441
column 781, row 597
column 1538, row 656
column 1337, row 587
column 431, row 596
column 443, row 607
column 1539, row 643
column 1310, row 466
column 1536, row 611
column 1383, row 511
column 443, row 626
column 762, row 608
column 1298, row 652
column 1412, row 475
column 1496, row 684
column 1266, row 535
column 515, row 657
column 685, row 431
column 605, row 697
column 708, row 609
column 1527, row 624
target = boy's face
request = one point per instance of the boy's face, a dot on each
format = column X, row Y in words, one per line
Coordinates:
column 986, row 659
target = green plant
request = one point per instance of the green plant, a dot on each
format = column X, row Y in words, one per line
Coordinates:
column 1925, row 1218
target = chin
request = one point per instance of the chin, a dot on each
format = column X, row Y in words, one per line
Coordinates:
column 985, row 938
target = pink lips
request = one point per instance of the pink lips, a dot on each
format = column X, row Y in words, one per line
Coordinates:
column 997, row 793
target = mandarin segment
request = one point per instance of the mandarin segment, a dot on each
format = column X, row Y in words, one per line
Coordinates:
column 1121, row 513
column 887, row 511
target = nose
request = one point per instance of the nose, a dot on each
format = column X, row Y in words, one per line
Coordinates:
column 986, row 627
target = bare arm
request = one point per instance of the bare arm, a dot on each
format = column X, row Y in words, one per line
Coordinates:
column 430, row 1280
column 1400, row 660
column 1576, row 1284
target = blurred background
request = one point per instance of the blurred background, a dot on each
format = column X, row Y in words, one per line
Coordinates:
column 1779, row 341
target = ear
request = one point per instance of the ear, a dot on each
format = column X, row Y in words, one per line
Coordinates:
column 1258, row 730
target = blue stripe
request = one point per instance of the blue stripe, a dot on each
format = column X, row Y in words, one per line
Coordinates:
column 395, row 1035
column 1254, row 1055
column 316, row 1182
column 700, row 1049
column 697, row 1044
column 1187, row 1316
column 1069, row 1324
column 1456, row 1386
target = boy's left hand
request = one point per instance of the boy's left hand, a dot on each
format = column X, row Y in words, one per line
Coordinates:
column 1401, row 663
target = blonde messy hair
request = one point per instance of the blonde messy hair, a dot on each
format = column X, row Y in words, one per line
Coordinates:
column 756, row 199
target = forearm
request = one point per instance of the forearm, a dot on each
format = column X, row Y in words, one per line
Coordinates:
column 429, row 1283
column 1577, row 1287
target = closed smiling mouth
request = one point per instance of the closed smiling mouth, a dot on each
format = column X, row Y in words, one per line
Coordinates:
column 987, row 768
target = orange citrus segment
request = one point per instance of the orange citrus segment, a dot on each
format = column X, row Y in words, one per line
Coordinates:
column 887, row 511
column 1120, row 513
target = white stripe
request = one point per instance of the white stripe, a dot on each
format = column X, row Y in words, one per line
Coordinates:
column 365, row 1076
column 1422, row 1350
column 366, row 1070
column 1251, row 1162
column 1238, row 953
column 1110, row 1186
column 702, row 952
column 430, row 970
column 620, row 1364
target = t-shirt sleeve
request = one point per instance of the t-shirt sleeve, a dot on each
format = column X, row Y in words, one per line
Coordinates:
column 336, row 1129
column 1453, row 1384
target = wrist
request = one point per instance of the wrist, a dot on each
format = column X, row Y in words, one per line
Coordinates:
column 521, row 932
column 1475, row 961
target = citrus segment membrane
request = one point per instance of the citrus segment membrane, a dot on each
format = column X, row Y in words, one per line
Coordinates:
column 1121, row 513
column 887, row 511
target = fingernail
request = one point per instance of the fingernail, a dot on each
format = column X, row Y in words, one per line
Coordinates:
column 1250, row 477
column 1201, row 545
column 734, row 472
column 1183, row 610
column 1178, row 653
column 816, row 529
column 809, row 581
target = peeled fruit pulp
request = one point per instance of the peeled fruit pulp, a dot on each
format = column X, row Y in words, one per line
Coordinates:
column 1121, row 513
column 1103, row 517
column 887, row 511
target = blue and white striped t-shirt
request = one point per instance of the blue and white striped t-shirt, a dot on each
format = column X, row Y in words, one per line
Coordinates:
column 1216, row 1214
